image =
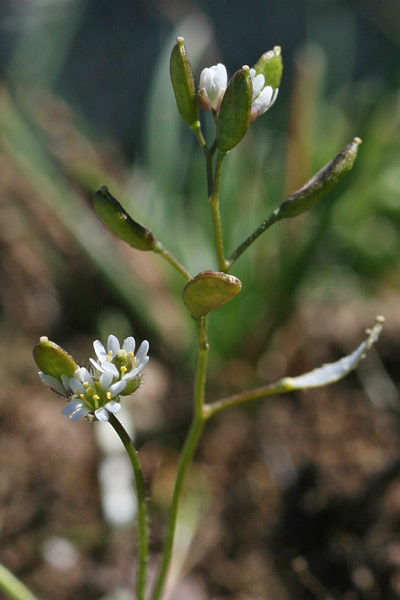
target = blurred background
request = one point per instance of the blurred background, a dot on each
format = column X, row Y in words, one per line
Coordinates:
column 299, row 496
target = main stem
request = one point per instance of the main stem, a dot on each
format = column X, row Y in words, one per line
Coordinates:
column 216, row 217
column 143, row 543
column 188, row 451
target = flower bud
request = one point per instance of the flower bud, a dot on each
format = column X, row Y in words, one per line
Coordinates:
column 270, row 65
column 114, row 216
column 209, row 290
column 234, row 114
column 213, row 82
column 319, row 185
column 53, row 360
column 183, row 84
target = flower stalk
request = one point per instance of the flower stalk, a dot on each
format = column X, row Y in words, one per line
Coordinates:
column 143, row 542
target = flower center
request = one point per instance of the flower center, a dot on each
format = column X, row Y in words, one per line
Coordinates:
column 93, row 396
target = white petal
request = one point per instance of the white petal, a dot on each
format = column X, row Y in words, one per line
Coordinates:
column 75, row 385
column 106, row 380
column 53, row 382
column 113, row 406
column 86, row 376
column 65, row 382
column 221, row 76
column 113, row 345
column 117, row 388
column 142, row 352
column 100, row 350
column 142, row 364
column 96, row 365
column 72, row 407
column 206, row 78
column 258, row 83
column 129, row 344
column 101, row 414
column 130, row 375
column 107, row 366
column 79, row 413
column 214, row 81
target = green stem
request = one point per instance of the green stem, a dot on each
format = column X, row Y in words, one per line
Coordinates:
column 216, row 217
column 188, row 451
column 143, row 543
column 273, row 218
column 279, row 387
column 208, row 155
column 201, row 365
column 13, row 587
column 159, row 249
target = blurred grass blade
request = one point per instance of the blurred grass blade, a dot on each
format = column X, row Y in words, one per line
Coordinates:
column 13, row 587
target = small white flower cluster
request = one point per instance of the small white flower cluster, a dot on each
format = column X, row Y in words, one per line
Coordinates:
column 95, row 394
column 214, row 81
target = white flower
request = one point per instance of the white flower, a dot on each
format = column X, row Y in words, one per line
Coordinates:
column 263, row 95
column 122, row 363
column 95, row 393
column 93, row 396
column 213, row 82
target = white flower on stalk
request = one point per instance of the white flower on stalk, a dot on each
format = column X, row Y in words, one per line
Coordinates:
column 122, row 363
column 213, row 82
column 87, row 394
column 263, row 95
column 95, row 394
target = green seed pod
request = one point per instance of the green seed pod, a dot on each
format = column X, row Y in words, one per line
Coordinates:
column 114, row 216
column 53, row 360
column 319, row 185
column 270, row 65
column 233, row 118
column 209, row 290
column 183, row 83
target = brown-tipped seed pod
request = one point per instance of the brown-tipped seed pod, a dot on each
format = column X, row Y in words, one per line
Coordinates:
column 183, row 83
column 210, row 290
column 115, row 217
column 319, row 185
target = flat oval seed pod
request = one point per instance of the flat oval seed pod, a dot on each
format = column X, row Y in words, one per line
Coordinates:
column 210, row 290
column 53, row 360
